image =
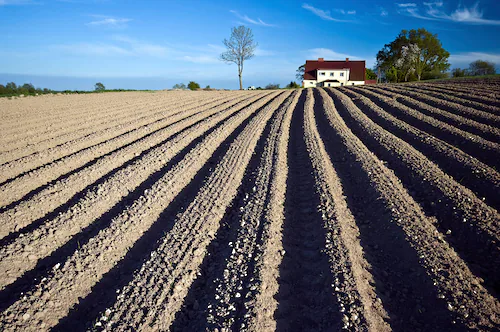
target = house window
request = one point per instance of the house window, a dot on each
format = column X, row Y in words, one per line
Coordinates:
column 342, row 74
column 341, row 84
column 331, row 74
column 328, row 84
column 352, row 83
column 322, row 73
column 312, row 82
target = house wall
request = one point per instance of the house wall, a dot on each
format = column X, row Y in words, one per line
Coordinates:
column 336, row 75
column 310, row 83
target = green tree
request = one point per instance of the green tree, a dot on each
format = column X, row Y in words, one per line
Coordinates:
column 99, row 87
column 299, row 73
column 180, row 86
column 3, row 90
column 11, row 88
column 240, row 47
column 370, row 74
column 457, row 72
column 29, row 88
column 480, row 67
column 417, row 52
column 193, row 85
column 272, row 86
column 207, row 87
column 293, row 85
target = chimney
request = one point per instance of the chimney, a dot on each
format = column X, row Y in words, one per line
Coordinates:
column 346, row 59
column 321, row 59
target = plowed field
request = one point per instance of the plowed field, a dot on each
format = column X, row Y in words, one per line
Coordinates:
column 369, row 208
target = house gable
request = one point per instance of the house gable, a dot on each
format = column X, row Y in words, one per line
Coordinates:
column 356, row 68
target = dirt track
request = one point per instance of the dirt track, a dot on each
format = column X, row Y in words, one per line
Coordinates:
column 362, row 208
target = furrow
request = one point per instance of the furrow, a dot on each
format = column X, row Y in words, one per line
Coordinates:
column 260, row 316
column 468, row 171
column 57, row 193
column 476, row 96
column 475, row 115
column 486, row 151
column 56, row 130
column 220, row 297
column 183, row 247
column 475, row 111
column 423, row 283
column 360, row 305
column 99, row 198
column 481, row 129
column 463, row 220
column 19, row 186
column 31, row 156
column 306, row 299
column 484, row 105
column 83, row 269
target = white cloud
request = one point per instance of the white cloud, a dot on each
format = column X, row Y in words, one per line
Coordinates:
column 326, row 53
column 435, row 12
column 324, row 14
column 468, row 57
column 109, row 21
column 351, row 12
column 251, row 21
column 406, row 5
column 383, row 12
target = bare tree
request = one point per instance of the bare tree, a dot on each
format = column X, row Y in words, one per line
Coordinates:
column 240, row 47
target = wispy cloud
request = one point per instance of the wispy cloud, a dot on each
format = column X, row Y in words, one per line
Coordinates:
column 468, row 57
column 406, row 5
column 324, row 14
column 247, row 19
column 326, row 53
column 434, row 11
column 200, row 58
column 110, row 21
column 383, row 12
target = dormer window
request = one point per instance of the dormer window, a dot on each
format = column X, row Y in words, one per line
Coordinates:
column 331, row 74
column 322, row 73
column 341, row 74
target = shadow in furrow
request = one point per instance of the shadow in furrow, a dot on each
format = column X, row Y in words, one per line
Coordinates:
column 483, row 153
column 461, row 172
column 11, row 293
column 104, row 294
column 475, row 246
column 75, row 198
column 407, row 292
column 450, row 120
column 88, row 147
column 305, row 297
column 94, row 161
column 196, row 312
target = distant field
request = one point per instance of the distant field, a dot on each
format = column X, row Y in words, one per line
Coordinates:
column 366, row 208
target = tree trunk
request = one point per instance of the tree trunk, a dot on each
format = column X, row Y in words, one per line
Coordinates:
column 241, row 85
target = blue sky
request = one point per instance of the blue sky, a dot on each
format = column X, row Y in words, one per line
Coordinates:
column 71, row 44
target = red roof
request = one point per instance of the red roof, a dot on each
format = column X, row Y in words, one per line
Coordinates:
column 356, row 68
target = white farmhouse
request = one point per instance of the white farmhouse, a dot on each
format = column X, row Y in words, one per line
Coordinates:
column 321, row 73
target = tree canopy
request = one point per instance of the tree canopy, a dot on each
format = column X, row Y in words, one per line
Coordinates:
column 414, row 54
column 240, row 47
column 299, row 74
column 370, row 74
column 480, row 67
column 193, row 85
column 99, row 87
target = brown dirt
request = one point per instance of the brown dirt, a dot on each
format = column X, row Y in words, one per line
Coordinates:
column 364, row 208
